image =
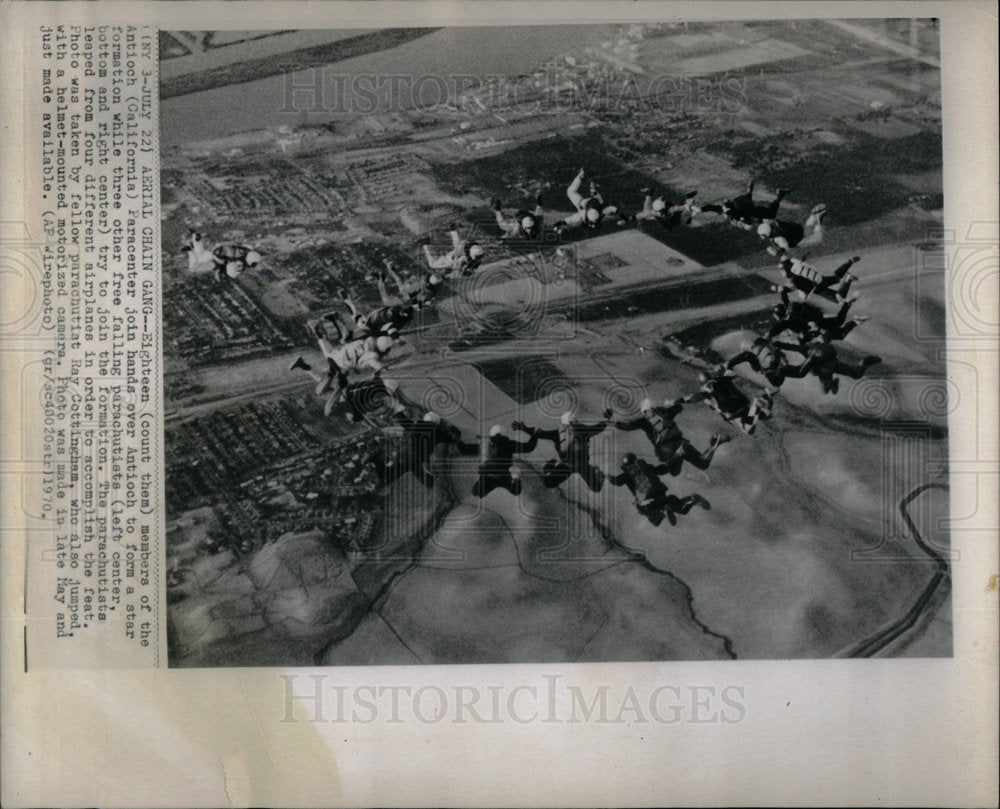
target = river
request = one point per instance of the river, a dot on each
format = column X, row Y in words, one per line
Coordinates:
column 448, row 53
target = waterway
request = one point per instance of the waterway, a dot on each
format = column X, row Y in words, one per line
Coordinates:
column 456, row 55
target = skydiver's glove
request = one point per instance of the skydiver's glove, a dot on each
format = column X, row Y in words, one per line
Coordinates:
column 520, row 425
column 608, row 414
column 495, row 202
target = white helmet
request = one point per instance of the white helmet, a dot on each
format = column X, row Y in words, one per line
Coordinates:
column 659, row 204
column 434, row 280
column 566, row 418
column 593, row 214
column 764, row 229
column 234, row 268
column 253, row 257
column 528, row 222
column 647, row 404
column 476, row 251
column 432, row 417
column 496, row 429
column 383, row 344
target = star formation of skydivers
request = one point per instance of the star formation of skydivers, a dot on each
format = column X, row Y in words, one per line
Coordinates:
column 356, row 345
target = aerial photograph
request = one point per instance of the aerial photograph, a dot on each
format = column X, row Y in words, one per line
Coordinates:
column 555, row 343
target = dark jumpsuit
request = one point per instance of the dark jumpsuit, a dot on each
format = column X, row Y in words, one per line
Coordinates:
column 494, row 472
column 768, row 359
column 572, row 443
column 668, row 442
column 420, row 439
column 650, row 493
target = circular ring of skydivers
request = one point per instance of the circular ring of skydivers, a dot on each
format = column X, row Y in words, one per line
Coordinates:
column 356, row 345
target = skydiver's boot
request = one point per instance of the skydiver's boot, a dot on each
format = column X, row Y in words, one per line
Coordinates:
column 698, row 500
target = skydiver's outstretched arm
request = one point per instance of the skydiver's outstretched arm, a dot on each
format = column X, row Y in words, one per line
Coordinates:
column 791, row 347
column 383, row 293
column 674, row 409
column 536, row 433
column 466, row 447
column 617, row 480
column 778, row 328
column 744, row 356
column 592, row 429
column 390, row 269
column 526, row 446
column 355, row 312
column 631, row 424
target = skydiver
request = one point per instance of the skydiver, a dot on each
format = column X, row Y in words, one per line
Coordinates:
column 669, row 443
column 334, row 383
column 806, row 321
column 356, row 355
column 418, row 291
column 387, row 320
column 718, row 390
column 419, row 440
column 658, row 210
column 808, row 279
column 742, row 211
column 590, row 210
column 232, row 260
column 464, row 258
column 780, row 235
column 497, row 470
column 524, row 225
column 198, row 253
column 228, row 260
column 823, row 362
column 650, row 492
column 572, row 442
column 768, row 359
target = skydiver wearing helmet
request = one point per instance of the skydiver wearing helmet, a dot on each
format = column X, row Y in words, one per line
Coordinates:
column 572, row 442
column 806, row 320
column 464, row 258
column 524, row 225
column 417, row 291
column 807, row 279
column 417, row 444
column 717, row 389
column 388, row 320
column 369, row 397
column 497, row 471
column 334, row 384
column 780, row 236
column 669, row 443
column 767, row 358
column 822, row 360
column 742, row 211
column 657, row 210
column 590, row 210
column 231, row 260
column 356, row 355
column 650, row 492
column 365, row 398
